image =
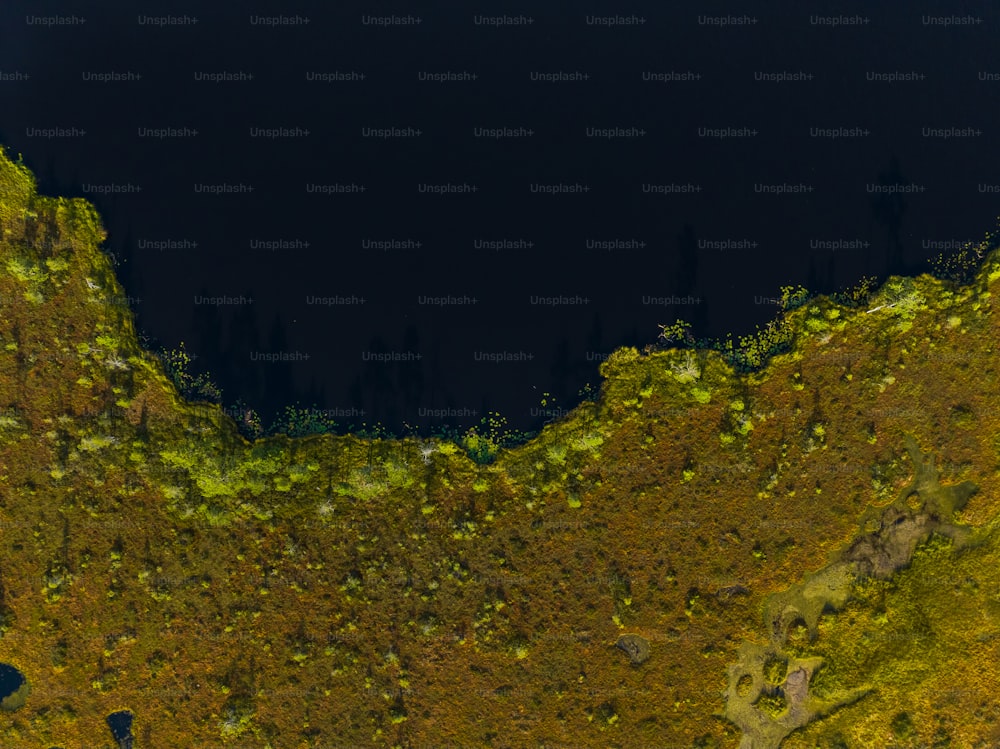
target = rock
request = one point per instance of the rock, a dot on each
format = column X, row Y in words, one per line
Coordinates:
column 637, row 648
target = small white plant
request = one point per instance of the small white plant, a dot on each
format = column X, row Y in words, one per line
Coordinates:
column 116, row 362
column 426, row 451
column 900, row 297
column 686, row 370
column 590, row 442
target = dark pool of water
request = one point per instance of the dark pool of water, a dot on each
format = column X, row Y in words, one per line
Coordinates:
column 120, row 724
column 10, row 680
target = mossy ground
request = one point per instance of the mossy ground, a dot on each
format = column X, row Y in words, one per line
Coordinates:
column 334, row 590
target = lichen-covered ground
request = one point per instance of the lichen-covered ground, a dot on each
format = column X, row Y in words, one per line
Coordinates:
column 343, row 592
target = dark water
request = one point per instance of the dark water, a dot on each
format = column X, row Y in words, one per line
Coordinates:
column 752, row 150
column 11, row 680
column 120, row 724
